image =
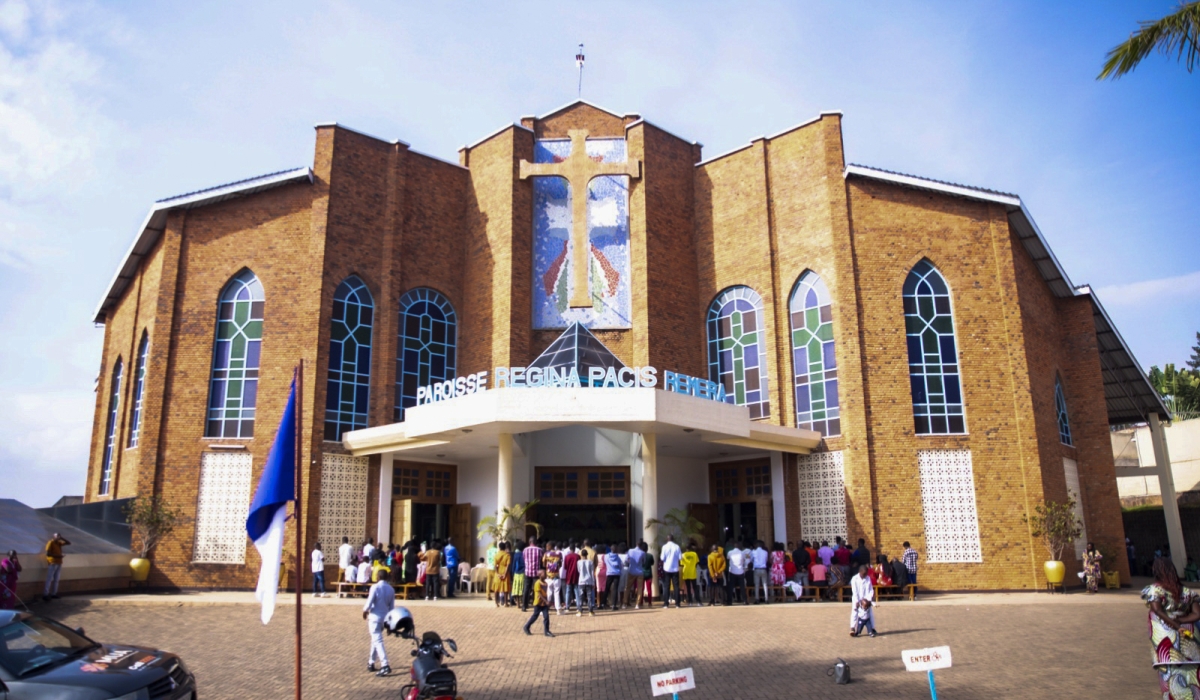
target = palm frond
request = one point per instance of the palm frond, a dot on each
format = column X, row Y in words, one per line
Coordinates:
column 1177, row 33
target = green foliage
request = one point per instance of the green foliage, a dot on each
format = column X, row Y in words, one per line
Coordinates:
column 1180, row 390
column 1056, row 525
column 677, row 522
column 1177, row 33
column 509, row 523
column 151, row 520
column 1193, row 362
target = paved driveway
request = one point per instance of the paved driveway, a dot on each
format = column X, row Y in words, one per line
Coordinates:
column 1004, row 646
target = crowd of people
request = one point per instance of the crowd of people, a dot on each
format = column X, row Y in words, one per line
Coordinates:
column 433, row 565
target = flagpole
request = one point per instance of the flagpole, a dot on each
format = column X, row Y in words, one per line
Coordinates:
column 299, row 519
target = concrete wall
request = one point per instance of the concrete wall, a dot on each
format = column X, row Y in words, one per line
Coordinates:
column 1133, row 448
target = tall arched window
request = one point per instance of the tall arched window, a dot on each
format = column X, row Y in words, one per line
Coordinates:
column 110, row 430
column 1060, row 406
column 737, row 354
column 932, row 353
column 813, row 358
column 428, row 338
column 349, row 358
column 233, row 393
column 139, row 385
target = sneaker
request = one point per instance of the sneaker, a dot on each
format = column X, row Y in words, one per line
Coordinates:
column 579, row 614
column 637, row 607
column 871, row 634
column 371, row 668
column 591, row 613
column 426, row 597
column 549, row 634
column 435, row 597
column 385, row 671
column 527, row 631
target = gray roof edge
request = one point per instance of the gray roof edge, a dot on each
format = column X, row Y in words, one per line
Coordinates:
column 1099, row 307
column 155, row 222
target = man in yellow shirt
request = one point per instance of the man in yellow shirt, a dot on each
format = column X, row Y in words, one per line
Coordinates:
column 687, row 575
column 716, row 572
column 541, row 604
column 54, row 560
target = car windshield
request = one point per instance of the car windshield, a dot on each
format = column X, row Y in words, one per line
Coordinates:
column 32, row 643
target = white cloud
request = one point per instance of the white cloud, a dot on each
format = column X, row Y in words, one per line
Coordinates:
column 45, row 445
column 1184, row 288
column 14, row 19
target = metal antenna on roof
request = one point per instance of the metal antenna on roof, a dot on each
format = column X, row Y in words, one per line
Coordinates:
column 579, row 62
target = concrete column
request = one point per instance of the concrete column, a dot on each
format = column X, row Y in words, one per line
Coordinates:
column 504, row 487
column 778, row 502
column 1166, row 484
column 384, row 528
column 649, row 487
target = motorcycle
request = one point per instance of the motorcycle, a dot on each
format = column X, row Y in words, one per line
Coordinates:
column 432, row 680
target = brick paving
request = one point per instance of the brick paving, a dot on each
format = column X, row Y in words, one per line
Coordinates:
column 1004, row 647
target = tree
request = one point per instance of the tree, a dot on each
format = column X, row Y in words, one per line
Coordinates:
column 1194, row 361
column 1056, row 525
column 151, row 520
column 677, row 522
column 509, row 523
column 1179, row 389
column 1177, row 33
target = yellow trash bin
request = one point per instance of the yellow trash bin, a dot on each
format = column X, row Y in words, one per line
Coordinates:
column 1112, row 579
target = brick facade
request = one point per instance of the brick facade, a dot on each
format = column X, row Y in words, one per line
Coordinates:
column 760, row 216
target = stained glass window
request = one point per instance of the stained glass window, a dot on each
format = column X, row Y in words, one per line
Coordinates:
column 233, row 393
column 139, row 385
column 110, row 431
column 932, row 353
column 426, row 345
column 1060, row 405
column 813, row 359
column 737, row 355
column 349, row 382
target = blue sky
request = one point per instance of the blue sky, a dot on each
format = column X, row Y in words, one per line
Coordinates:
column 107, row 107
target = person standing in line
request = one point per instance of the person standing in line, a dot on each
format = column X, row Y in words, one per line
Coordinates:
column 381, row 598
column 623, row 552
column 533, row 563
column 612, row 571
column 1131, row 556
column 716, row 575
column 10, row 569
column 802, row 559
column 687, row 575
column 862, row 555
column 648, row 563
column 910, row 564
column 737, row 575
column 862, row 603
column 570, row 576
column 552, row 562
column 491, row 567
column 585, row 572
column 503, row 562
column 762, row 575
column 778, row 566
column 451, row 554
column 588, row 551
column 635, row 565
column 345, row 554
column 670, row 557
column 601, row 576
column 518, row 575
column 368, row 549
column 54, row 561
column 825, row 554
column 318, row 571
column 541, row 606
column 433, row 567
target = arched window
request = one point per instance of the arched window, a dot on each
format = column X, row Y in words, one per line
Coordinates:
column 139, row 385
column 349, row 358
column 932, row 353
column 110, row 430
column 233, row 393
column 428, row 338
column 737, row 355
column 1060, row 406
column 813, row 358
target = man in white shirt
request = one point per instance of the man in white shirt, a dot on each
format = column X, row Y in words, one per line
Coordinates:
column 759, row 560
column 344, row 553
column 737, row 575
column 367, row 549
column 380, row 601
column 862, row 590
column 669, row 556
column 364, row 572
column 318, row 571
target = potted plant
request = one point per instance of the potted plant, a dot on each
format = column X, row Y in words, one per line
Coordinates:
column 151, row 521
column 509, row 525
column 1055, row 523
column 677, row 522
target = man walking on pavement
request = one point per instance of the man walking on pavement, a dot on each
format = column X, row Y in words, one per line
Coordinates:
column 380, row 601
column 541, row 604
column 451, row 555
column 54, row 560
column 533, row 563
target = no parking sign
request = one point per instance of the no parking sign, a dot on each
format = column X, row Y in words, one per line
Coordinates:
column 672, row 682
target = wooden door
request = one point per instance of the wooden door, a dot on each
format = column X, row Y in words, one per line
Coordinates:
column 462, row 532
column 766, row 521
column 402, row 517
column 707, row 514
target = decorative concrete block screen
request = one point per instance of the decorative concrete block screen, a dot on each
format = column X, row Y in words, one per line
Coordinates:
column 222, row 508
column 1071, row 470
column 948, row 500
column 822, row 497
column 343, row 501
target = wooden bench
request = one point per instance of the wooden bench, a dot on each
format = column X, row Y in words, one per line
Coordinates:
column 345, row 589
column 896, row 592
column 410, row 591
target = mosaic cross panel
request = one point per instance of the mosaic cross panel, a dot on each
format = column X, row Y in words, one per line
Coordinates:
column 1071, row 471
column 948, row 501
column 822, row 484
column 608, row 236
column 222, row 508
column 343, row 500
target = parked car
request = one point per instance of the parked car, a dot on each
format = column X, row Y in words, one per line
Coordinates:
column 44, row 659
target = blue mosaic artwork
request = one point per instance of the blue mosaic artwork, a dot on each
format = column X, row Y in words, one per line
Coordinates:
column 608, row 234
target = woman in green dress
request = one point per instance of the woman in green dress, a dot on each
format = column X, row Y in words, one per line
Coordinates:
column 1174, row 610
column 1091, row 568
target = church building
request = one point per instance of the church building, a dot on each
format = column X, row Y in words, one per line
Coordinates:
column 587, row 312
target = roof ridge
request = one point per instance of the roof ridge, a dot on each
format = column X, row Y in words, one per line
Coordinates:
column 224, row 186
column 930, row 179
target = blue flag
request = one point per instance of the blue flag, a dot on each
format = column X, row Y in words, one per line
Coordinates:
column 268, row 510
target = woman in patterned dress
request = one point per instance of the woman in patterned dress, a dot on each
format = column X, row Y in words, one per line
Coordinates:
column 1091, row 567
column 1174, row 610
column 776, row 562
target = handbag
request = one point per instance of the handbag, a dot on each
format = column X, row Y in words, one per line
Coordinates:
column 840, row 672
